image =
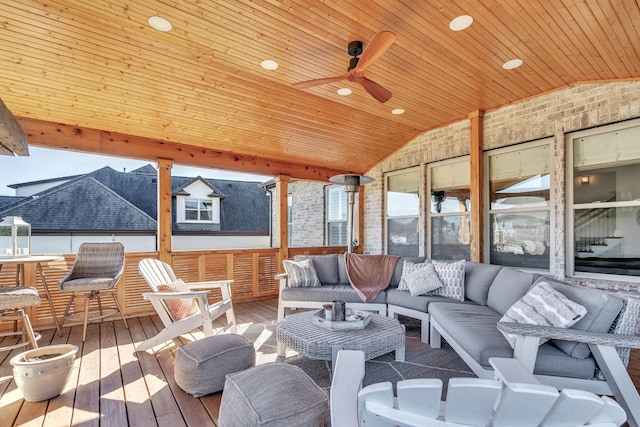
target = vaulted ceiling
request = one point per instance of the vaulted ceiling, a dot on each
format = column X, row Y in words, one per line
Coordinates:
column 99, row 65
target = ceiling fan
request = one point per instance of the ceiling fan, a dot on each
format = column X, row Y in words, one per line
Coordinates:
column 357, row 66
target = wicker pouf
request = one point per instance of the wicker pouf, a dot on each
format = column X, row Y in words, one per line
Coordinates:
column 201, row 366
column 272, row 395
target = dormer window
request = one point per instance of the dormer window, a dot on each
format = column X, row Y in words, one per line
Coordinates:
column 198, row 202
column 198, row 210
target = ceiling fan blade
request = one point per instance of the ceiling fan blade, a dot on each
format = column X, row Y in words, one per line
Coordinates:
column 318, row 82
column 375, row 49
column 375, row 90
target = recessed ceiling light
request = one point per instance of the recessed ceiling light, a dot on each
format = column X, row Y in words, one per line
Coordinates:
column 269, row 64
column 160, row 24
column 344, row 91
column 514, row 63
column 461, row 23
column 397, row 111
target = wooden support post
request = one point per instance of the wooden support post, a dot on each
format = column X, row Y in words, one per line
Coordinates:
column 477, row 178
column 13, row 140
column 164, row 210
column 282, row 193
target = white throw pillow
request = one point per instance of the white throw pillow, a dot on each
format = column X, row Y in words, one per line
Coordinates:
column 407, row 268
column 301, row 273
column 544, row 306
column 423, row 280
column 452, row 276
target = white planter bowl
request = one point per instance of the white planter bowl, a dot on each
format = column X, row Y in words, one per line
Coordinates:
column 42, row 373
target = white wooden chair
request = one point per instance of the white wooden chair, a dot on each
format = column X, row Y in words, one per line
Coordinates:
column 514, row 399
column 156, row 273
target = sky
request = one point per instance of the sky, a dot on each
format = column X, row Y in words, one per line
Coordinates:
column 43, row 163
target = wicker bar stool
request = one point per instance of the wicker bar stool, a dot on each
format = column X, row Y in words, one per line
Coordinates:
column 13, row 300
column 96, row 271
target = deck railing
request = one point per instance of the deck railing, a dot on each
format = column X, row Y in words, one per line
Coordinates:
column 252, row 270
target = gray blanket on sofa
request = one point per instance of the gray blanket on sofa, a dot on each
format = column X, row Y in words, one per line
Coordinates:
column 369, row 274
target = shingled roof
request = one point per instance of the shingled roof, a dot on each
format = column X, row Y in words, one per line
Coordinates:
column 109, row 200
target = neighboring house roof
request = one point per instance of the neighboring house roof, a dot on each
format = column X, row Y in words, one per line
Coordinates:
column 8, row 200
column 43, row 181
column 107, row 199
column 82, row 204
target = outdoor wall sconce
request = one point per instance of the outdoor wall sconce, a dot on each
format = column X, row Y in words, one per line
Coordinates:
column 352, row 184
column 15, row 237
column 584, row 179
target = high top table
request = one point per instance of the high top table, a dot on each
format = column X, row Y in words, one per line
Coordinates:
column 381, row 336
column 21, row 261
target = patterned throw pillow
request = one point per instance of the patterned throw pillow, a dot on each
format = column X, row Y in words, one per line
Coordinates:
column 182, row 307
column 301, row 273
column 452, row 276
column 544, row 306
column 423, row 280
column 409, row 267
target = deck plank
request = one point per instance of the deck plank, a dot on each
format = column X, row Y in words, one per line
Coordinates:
column 139, row 409
column 112, row 402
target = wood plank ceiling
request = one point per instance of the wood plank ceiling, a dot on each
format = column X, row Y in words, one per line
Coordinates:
column 97, row 64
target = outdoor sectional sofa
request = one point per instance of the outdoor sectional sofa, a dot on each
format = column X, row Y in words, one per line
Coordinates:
column 583, row 356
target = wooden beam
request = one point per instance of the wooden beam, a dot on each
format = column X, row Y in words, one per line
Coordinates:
column 477, row 178
column 87, row 140
column 164, row 210
column 282, row 193
column 13, row 140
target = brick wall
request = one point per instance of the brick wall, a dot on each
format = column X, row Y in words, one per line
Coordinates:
column 553, row 114
column 307, row 225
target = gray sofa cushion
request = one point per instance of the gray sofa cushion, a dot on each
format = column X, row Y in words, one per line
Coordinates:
column 328, row 293
column 602, row 310
column 477, row 280
column 397, row 272
column 326, row 267
column 343, row 279
column 473, row 327
column 508, row 287
column 420, row 303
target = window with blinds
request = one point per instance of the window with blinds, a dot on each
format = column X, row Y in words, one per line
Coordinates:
column 336, row 214
column 604, row 224
column 520, row 205
column 402, row 212
column 449, row 232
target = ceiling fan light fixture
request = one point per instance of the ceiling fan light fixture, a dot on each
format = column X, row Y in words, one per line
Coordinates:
column 397, row 111
column 344, row 91
column 514, row 63
column 160, row 23
column 269, row 64
column 460, row 23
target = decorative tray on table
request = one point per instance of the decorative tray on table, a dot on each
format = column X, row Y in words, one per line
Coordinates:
column 354, row 319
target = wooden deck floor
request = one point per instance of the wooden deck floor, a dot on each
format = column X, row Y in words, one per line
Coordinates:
column 112, row 385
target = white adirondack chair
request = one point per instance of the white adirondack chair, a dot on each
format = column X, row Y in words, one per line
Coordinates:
column 514, row 399
column 156, row 273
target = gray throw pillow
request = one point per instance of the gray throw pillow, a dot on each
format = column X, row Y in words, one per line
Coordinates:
column 301, row 273
column 542, row 305
column 407, row 268
column 452, row 276
column 423, row 280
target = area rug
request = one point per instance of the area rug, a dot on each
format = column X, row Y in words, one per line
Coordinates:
column 421, row 361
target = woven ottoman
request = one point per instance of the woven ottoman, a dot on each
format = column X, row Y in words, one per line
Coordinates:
column 201, row 366
column 272, row 395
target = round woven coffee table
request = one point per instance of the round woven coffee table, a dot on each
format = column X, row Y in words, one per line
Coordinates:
column 298, row 332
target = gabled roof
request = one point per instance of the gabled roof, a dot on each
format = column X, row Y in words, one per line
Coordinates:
column 82, row 204
column 130, row 201
column 181, row 190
